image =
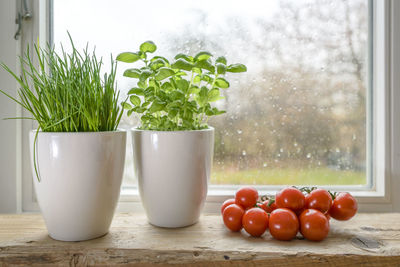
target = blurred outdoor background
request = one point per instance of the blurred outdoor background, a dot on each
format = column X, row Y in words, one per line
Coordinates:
column 298, row 116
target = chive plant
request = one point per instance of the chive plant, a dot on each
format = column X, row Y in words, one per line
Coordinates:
column 66, row 92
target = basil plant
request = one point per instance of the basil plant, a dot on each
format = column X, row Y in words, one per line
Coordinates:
column 177, row 95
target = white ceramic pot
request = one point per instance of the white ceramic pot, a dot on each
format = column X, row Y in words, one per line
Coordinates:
column 173, row 170
column 80, row 180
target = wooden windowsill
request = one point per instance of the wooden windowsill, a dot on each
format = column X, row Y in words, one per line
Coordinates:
column 366, row 240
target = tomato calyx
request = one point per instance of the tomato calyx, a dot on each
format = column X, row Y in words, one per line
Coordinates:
column 333, row 194
column 271, row 199
column 308, row 190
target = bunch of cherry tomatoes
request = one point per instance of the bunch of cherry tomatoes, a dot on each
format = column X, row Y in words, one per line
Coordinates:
column 307, row 210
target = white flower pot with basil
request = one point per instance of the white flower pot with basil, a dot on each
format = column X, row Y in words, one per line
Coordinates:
column 173, row 146
column 77, row 152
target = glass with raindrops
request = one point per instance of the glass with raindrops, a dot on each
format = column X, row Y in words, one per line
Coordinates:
column 297, row 116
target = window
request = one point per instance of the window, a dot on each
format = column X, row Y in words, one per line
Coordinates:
column 297, row 117
column 316, row 92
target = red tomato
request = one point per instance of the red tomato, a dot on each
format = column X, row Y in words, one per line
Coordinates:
column 246, row 197
column 290, row 198
column 232, row 217
column 283, row 224
column 227, row 203
column 255, row 221
column 344, row 207
column 314, row 225
column 267, row 208
column 319, row 199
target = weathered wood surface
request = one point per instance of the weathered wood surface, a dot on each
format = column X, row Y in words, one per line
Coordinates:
column 366, row 240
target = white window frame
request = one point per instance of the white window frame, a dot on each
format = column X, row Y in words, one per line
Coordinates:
column 379, row 196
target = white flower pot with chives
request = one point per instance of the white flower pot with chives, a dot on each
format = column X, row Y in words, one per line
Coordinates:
column 77, row 153
column 173, row 146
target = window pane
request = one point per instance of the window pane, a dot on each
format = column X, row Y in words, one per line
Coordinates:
column 298, row 116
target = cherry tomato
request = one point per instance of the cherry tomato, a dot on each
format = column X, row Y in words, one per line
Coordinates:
column 283, row 224
column 319, row 199
column 255, row 221
column 314, row 225
column 344, row 207
column 267, row 208
column 227, row 203
column 246, row 197
column 291, row 198
column 232, row 217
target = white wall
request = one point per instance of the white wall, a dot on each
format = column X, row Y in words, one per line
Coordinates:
column 8, row 128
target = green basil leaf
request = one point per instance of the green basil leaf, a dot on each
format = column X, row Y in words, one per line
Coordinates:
column 135, row 100
column 145, row 104
column 203, row 55
column 177, row 95
column 167, row 86
column 181, row 73
column 221, row 68
column 182, row 64
column 202, row 97
column 197, row 70
column 149, row 91
column 217, row 111
column 156, row 106
column 145, row 74
column 236, row 68
column 183, row 85
column 213, row 95
column 194, row 89
column 206, row 65
column 183, row 56
column 136, row 91
column 126, row 105
column 221, row 83
column 206, row 78
column 132, row 73
column 173, row 112
column 197, row 79
column 156, row 64
column 139, row 109
column 128, row 57
column 161, row 58
column 164, row 73
column 142, row 84
column 148, row 46
column 221, row 60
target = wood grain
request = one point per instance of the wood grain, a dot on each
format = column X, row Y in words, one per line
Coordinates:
column 366, row 240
